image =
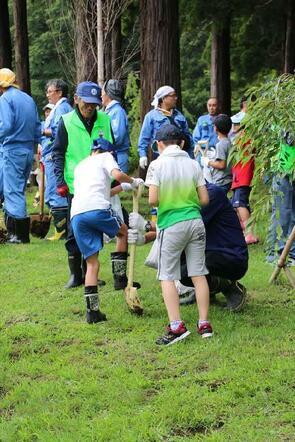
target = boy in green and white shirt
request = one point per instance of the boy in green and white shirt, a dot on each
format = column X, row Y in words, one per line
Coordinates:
column 177, row 186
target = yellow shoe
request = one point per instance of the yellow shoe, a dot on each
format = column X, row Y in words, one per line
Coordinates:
column 58, row 235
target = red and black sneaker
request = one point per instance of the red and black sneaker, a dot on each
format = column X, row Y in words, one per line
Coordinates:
column 205, row 330
column 173, row 336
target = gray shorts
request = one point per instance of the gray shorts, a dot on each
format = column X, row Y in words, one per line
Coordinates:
column 188, row 236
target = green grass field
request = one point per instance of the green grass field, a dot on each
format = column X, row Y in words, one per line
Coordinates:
column 64, row 380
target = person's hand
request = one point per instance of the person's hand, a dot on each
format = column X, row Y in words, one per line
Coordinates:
column 136, row 237
column 136, row 221
column 126, row 187
column 143, row 161
column 136, row 182
column 205, row 161
column 62, row 190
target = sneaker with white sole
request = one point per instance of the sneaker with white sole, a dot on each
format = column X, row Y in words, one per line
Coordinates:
column 173, row 336
column 205, row 330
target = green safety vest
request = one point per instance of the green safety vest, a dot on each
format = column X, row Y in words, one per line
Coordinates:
column 80, row 141
column 286, row 158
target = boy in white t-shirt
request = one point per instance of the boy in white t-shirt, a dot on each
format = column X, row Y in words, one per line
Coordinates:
column 177, row 187
column 92, row 216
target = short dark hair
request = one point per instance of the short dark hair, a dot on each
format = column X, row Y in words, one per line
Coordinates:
column 223, row 123
column 169, row 142
column 243, row 100
column 60, row 85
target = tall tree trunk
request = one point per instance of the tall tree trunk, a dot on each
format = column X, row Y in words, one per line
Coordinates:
column 5, row 38
column 100, row 51
column 86, row 65
column 159, row 40
column 21, row 45
column 116, row 49
column 108, row 55
column 289, row 62
column 220, row 65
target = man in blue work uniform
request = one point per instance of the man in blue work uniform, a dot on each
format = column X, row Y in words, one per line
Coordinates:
column 56, row 92
column 20, row 131
column 164, row 112
column 111, row 96
column 204, row 129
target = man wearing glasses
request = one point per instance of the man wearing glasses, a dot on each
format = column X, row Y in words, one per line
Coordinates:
column 164, row 112
column 56, row 92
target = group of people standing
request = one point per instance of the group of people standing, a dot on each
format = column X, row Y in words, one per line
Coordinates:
column 79, row 188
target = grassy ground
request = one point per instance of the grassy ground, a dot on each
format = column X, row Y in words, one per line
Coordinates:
column 63, row 380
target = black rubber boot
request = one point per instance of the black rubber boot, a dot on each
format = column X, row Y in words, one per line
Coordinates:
column 235, row 294
column 119, row 267
column 10, row 227
column 59, row 215
column 75, row 280
column 93, row 314
column 18, row 230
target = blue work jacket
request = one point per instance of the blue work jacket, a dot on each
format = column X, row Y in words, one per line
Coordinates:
column 204, row 130
column 47, row 142
column 119, row 123
column 152, row 123
column 19, row 121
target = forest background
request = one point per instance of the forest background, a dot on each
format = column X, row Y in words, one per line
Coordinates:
column 199, row 47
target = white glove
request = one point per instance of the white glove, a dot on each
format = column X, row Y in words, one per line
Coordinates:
column 135, row 237
column 136, row 221
column 136, row 182
column 205, row 161
column 126, row 187
column 143, row 162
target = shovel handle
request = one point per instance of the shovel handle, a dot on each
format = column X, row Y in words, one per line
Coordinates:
column 136, row 196
column 42, row 186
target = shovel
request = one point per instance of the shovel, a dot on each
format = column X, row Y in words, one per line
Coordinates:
column 40, row 224
column 131, row 296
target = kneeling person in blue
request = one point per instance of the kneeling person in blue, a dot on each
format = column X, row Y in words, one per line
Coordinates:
column 92, row 216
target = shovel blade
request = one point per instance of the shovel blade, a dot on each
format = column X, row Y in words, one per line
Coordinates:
column 133, row 301
column 40, row 225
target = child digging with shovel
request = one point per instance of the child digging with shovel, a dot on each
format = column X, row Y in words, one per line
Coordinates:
column 92, row 216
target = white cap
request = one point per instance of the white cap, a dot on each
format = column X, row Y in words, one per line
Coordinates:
column 237, row 118
column 163, row 91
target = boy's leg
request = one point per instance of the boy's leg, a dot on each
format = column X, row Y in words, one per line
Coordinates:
column 202, row 296
column 171, row 300
column 119, row 260
column 93, row 314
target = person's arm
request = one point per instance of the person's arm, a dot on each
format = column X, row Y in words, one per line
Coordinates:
column 145, row 136
column 119, row 126
column 203, row 195
column 197, row 132
column 153, row 195
column 216, row 164
column 6, row 118
column 189, row 143
column 59, row 149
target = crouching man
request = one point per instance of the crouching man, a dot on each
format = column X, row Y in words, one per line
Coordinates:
column 226, row 249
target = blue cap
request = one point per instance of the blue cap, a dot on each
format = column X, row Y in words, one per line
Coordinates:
column 169, row 132
column 102, row 144
column 89, row 92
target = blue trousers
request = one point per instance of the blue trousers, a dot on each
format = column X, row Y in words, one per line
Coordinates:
column 283, row 214
column 52, row 199
column 17, row 165
column 122, row 160
column 1, row 172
